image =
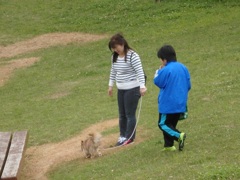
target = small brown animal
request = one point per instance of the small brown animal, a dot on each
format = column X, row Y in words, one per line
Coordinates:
column 90, row 146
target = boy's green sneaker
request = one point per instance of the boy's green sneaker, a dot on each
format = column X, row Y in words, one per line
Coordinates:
column 181, row 141
column 169, row 148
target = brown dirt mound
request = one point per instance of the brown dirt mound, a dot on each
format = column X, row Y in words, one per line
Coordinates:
column 39, row 42
column 7, row 69
column 40, row 159
column 45, row 41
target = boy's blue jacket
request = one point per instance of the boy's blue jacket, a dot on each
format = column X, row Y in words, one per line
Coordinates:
column 174, row 83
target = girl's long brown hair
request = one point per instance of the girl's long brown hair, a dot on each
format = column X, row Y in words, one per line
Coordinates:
column 118, row 39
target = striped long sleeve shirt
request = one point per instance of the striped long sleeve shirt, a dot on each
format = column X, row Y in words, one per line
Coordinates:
column 127, row 74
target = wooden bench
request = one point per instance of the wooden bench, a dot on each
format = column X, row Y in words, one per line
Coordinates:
column 12, row 148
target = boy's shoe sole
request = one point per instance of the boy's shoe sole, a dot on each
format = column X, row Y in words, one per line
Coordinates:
column 173, row 148
column 181, row 141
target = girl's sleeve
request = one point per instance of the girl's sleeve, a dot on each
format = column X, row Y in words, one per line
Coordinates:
column 137, row 66
column 112, row 77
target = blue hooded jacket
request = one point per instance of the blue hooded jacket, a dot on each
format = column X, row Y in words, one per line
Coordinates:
column 174, row 83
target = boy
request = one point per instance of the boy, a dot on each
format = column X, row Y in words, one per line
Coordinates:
column 173, row 79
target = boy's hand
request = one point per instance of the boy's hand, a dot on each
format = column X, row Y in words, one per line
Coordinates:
column 164, row 62
column 161, row 66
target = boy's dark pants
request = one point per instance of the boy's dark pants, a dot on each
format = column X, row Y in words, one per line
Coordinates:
column 127, row 106
column 167, row 123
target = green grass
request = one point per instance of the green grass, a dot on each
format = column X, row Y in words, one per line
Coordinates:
column 205, row 35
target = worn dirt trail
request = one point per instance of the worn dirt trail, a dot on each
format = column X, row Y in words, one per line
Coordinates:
column 44, row 41
column 40, row 159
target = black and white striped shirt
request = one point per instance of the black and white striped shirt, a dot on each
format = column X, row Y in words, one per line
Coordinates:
column 127, row 74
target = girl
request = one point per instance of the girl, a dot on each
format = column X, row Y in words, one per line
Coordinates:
column 127, row 73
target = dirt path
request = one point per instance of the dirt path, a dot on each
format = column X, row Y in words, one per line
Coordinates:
column 7, row 70
column 45, row 41
column 40, row 159
column 40, row 42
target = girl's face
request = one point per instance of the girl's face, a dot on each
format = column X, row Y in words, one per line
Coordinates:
column 119, row 49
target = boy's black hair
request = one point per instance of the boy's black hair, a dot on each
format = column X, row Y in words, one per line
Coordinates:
column 167, row 52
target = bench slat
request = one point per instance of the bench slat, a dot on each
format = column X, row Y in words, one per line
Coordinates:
column 15, row 156
column 5, row 139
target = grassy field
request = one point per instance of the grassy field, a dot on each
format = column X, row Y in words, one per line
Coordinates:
column 205, row 35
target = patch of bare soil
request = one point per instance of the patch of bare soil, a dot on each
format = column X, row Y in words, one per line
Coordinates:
column 7, row 69
column 45, row 41
column 39, row 42
column 62, row 90
column 40, row 159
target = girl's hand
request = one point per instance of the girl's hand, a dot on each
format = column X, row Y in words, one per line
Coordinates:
column 143, row 91
column 110, row 90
